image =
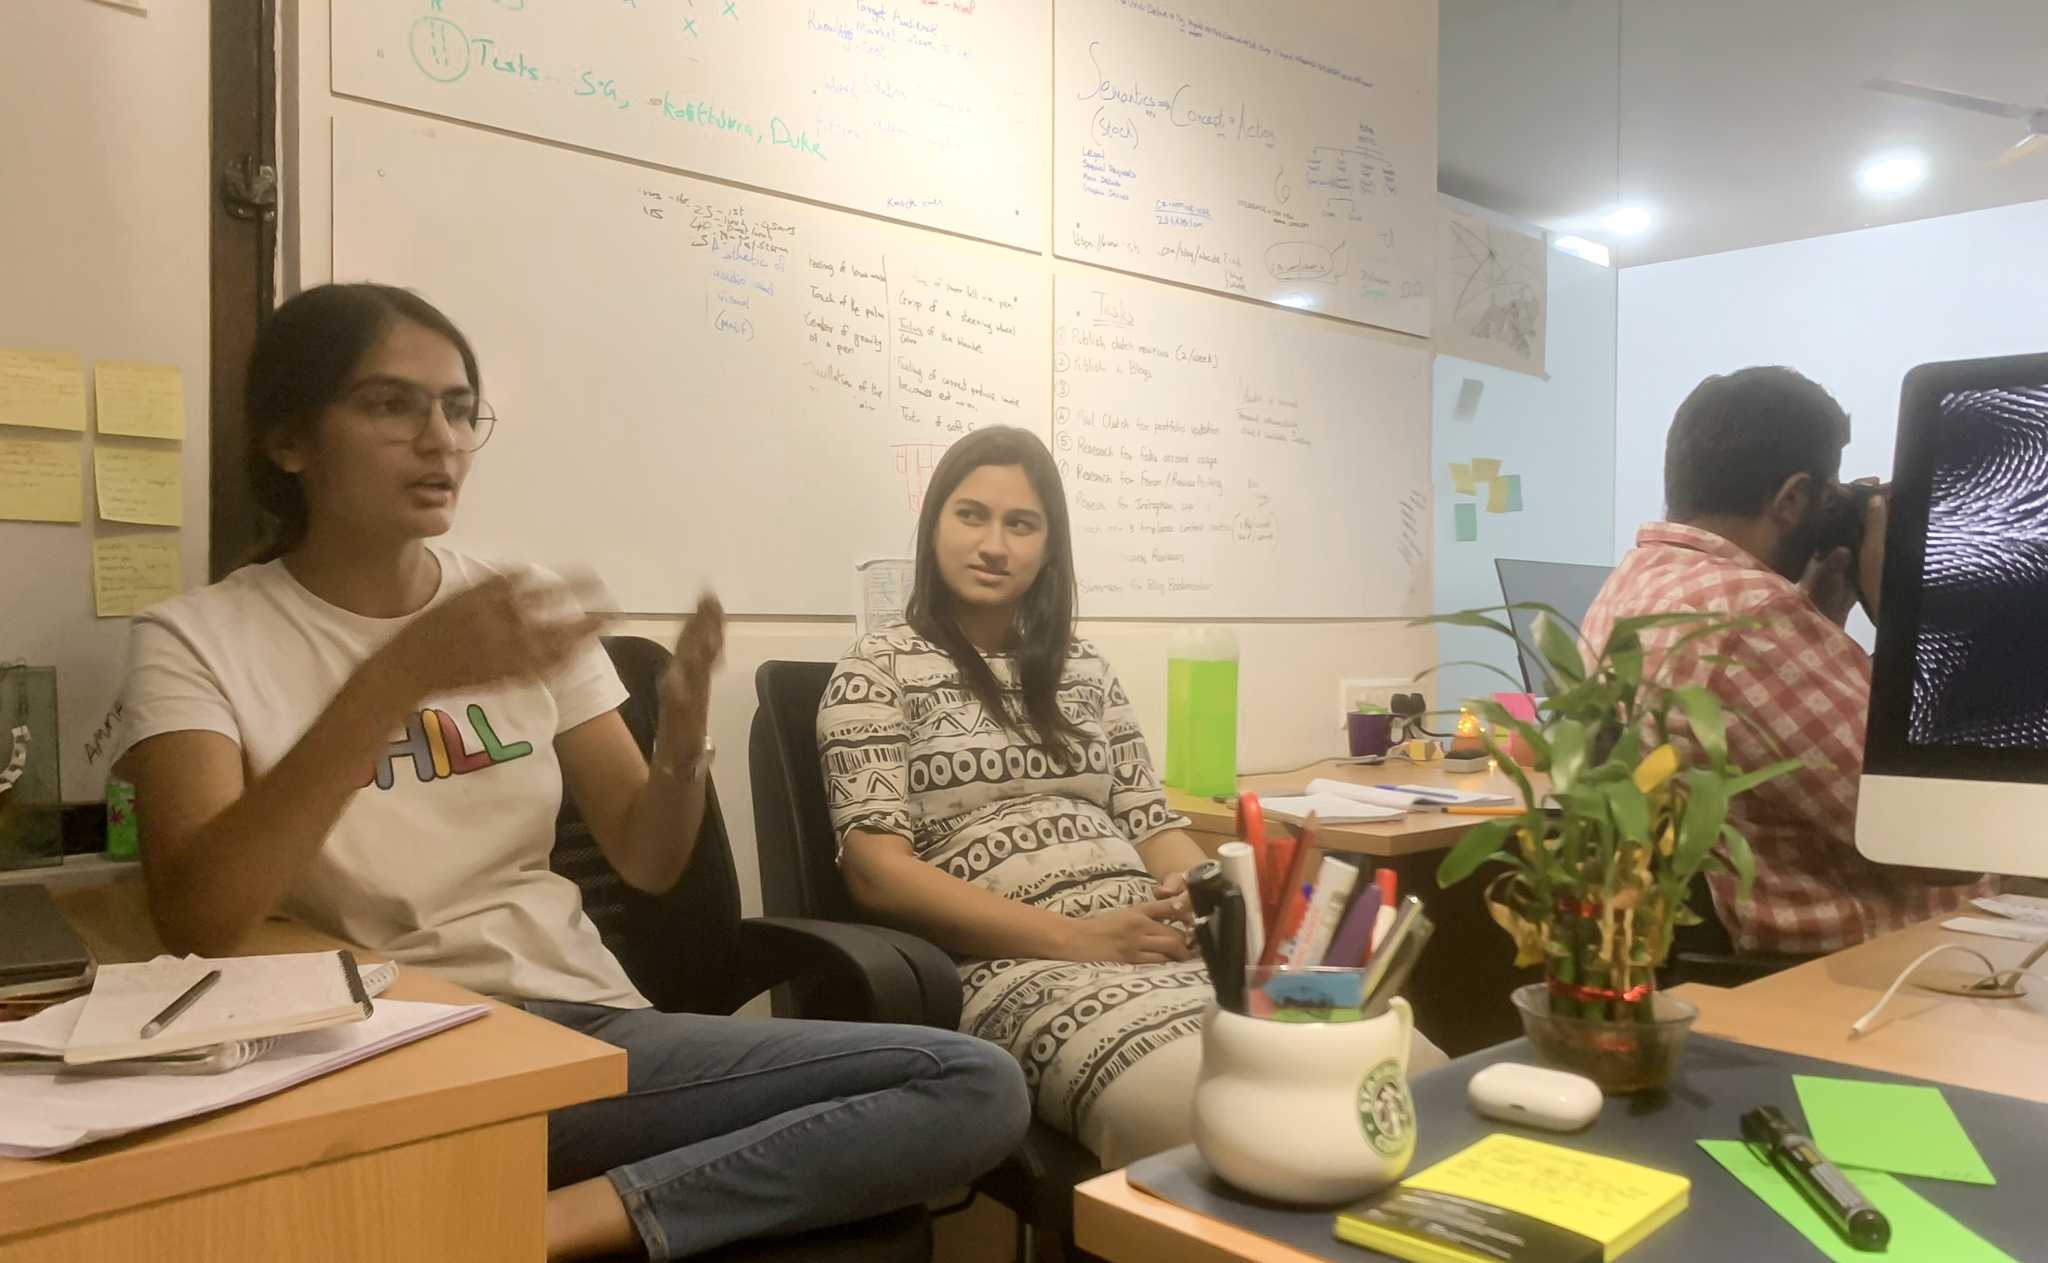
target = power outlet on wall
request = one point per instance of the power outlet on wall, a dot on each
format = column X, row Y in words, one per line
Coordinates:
column 1381, row 692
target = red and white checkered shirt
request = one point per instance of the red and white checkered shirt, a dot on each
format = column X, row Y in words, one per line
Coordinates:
column 1802, row 678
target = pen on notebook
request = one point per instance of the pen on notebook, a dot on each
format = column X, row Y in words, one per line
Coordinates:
column 1424, row 793
column 1793, row 1155
column 155, row 1025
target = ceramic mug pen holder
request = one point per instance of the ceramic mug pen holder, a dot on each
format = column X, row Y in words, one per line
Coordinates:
column 1305, row 1099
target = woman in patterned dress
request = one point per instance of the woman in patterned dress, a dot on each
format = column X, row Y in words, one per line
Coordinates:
column 992, row 792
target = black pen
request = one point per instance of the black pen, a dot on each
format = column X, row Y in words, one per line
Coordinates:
column 1402, row 957
column 1219, row 931
column 1771, row 1136
column 153, row 1026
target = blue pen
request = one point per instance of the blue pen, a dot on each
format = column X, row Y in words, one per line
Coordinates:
column 1426, row 795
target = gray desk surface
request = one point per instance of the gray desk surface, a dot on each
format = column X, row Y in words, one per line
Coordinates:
column 1725, row 1221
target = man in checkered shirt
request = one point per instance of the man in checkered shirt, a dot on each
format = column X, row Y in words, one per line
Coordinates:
column 1748, row 469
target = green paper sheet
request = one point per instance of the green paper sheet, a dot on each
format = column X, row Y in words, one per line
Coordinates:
column 1467, row 518
column 1920, row 1229
column 1513, row 482
column 1903, row 1128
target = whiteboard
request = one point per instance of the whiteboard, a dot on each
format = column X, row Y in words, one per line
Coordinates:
column 932, row 113
column 1225, row 459
column 1286, row 152
column 696, row 385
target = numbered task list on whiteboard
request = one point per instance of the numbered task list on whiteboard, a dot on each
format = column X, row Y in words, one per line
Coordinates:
column 1223, row 459
column 1284, row 152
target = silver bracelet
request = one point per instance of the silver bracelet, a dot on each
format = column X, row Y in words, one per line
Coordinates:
column 699, row 769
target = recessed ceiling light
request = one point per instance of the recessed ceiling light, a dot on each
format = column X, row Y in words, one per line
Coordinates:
column 1892, row 174
column 1590, row 251
column 1629, row 220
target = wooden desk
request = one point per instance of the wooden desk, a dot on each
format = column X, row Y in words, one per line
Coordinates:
column 1461, row 985
column 1418, row 832
column 437, row 1150
column 1992, row 1045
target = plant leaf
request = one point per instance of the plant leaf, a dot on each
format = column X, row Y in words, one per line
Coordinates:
column 1741, row 859
column 1706, row 810
column 1559, row 650
column 1657, row 767
column 1479, row 845
column 1426, row 672
column 1750, row 780
column 1567, row 754
column 1630, row 808
column 1709, row 723
column 1466, row 618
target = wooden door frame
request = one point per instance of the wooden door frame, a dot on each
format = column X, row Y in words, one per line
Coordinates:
column 243, row 256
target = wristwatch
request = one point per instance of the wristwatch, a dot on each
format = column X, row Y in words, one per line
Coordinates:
column 696, row 773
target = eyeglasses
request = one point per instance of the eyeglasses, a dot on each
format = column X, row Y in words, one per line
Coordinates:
column 400, row 411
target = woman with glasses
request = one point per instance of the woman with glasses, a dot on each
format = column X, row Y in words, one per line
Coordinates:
column 372, row 732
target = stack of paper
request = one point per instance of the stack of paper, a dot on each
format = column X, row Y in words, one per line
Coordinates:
column 48, row 1111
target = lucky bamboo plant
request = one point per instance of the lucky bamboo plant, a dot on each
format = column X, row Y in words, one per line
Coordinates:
column 1594, row 890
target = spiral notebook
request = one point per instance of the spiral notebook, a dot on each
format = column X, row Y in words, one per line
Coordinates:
column 256, row 997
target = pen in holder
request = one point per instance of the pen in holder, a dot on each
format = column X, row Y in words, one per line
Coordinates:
column 1304, row 1097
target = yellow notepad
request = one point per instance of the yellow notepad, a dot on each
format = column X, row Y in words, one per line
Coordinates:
column 1530, row 1202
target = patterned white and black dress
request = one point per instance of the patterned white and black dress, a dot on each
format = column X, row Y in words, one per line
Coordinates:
column 908, row 750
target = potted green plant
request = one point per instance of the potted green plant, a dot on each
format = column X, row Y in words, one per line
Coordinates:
column 1592, row 877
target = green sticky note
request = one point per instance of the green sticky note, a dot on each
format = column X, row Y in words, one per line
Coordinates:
column 1920, row 1229
column 1513, row 483
column 1904, row 1128
column 1468, row 522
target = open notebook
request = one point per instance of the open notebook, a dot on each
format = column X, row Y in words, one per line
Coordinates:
column 256, row 997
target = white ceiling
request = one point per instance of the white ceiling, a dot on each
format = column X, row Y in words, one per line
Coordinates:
column 1739, row 122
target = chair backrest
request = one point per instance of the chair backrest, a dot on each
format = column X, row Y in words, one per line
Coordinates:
column 675, row 946
column 792, row 826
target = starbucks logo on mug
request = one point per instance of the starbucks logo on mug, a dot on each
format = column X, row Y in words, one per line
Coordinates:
column 1385, row 1113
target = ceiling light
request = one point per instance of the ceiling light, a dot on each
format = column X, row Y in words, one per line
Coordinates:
column 1892, row 174
column 1579, row 247
column 1629, row 221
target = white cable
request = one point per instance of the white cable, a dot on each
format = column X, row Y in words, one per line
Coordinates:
column 1861, row 1025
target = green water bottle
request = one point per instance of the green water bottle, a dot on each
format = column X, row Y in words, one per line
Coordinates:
column 1201, row 711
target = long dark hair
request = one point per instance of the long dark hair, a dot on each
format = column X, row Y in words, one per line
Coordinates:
column 1045, row 617
column 304, row 356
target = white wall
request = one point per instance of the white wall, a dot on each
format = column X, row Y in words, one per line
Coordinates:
column 1558, row 434
column 1289, row 669
column 103, row 251
column 1852, row 311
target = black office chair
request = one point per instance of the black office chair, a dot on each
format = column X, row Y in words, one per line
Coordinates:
column 800, row 876
column 1705, row 952
column 689, row 950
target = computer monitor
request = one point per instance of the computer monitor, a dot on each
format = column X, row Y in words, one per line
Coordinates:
column 1955, row 774
column 1569, row 589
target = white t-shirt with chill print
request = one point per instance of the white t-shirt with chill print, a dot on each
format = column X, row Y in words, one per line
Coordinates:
column 441, row 859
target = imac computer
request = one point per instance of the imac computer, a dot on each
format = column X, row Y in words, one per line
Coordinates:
column 1955, row 775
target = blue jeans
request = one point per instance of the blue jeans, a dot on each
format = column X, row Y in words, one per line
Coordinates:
column 733, row 1128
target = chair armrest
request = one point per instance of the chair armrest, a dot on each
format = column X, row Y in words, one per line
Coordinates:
column 936, row 974
column 847, row 972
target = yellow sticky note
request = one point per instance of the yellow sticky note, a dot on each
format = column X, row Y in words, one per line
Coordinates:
column 136, row 484
column 40, row 481
column 145, row 400
column 131, row 572
column 1484, row 468
column 1496, row 497
column 1461, row 478
column 45, row 389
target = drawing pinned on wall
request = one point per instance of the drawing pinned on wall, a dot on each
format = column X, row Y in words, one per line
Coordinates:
column 1492, row 294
